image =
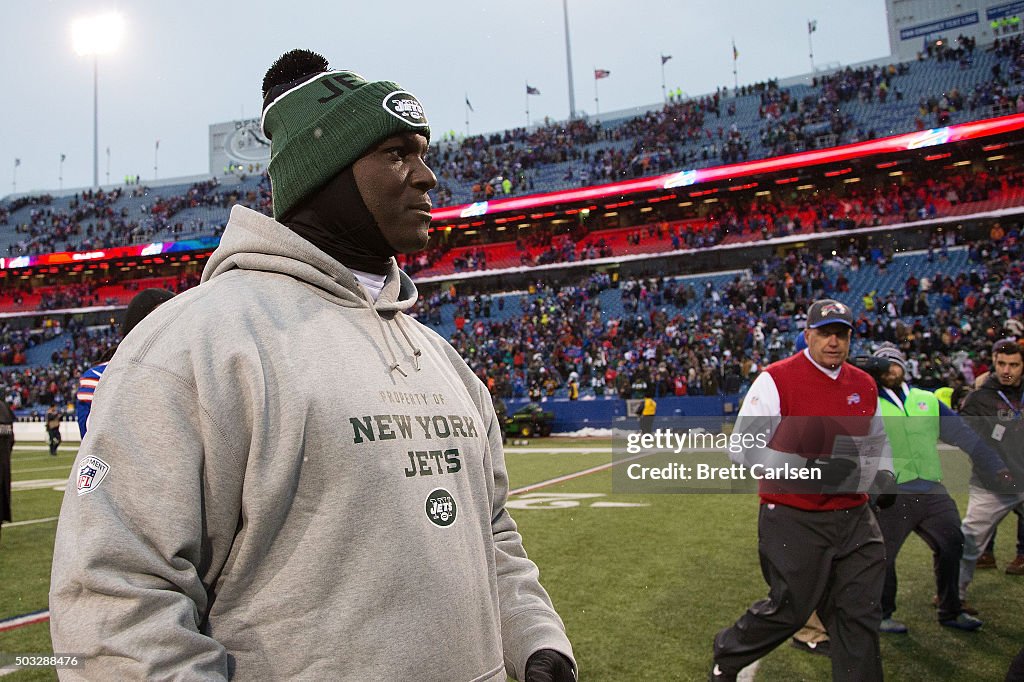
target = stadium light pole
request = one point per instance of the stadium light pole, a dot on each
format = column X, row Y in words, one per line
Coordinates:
column 568, row 61
column 93, row 36
column 812, row 26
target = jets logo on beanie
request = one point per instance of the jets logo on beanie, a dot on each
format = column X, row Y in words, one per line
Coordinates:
column 320, row 121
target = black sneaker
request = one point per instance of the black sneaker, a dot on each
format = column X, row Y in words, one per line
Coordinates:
column 822, row 648
column 962, row 622
column 719, row 675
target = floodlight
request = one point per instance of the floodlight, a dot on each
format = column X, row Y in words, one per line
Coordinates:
column 93, row 36
column 97, row 35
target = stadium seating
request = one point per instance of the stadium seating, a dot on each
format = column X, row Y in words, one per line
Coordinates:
column 715, row 129
column 926, row 81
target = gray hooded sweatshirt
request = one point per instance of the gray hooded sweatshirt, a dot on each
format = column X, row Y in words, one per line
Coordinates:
column 283, row 480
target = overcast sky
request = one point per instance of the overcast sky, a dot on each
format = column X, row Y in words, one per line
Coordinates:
column 185, row 64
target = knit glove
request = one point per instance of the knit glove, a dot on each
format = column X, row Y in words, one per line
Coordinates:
column 548, row 665
column 834, row 470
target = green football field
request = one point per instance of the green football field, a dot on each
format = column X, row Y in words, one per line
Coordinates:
column 643, row 582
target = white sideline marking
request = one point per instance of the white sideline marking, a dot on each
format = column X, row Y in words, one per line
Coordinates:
column 31, row 521
column 39, row 484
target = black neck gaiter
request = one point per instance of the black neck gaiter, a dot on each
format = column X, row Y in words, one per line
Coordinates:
column 337, row 221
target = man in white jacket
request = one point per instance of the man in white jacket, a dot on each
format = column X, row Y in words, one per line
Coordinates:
column 286, row 477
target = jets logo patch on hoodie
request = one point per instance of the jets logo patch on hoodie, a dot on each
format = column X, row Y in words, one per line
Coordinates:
column 441, row 508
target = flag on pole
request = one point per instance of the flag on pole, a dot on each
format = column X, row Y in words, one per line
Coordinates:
column 17, row 162
column 62, row 157
column 601, row 73
column 812, row 26
column 735, row 52
column 468, row 105
column 665, row 58
column 530, row 90
column 158, row 144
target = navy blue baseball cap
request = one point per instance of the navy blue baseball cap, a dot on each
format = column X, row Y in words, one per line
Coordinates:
column 828, row 311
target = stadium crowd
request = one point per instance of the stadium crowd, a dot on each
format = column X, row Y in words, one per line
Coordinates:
column 36, row 388
column 730, row 218
column 102, row 292
column 669, row 335
column 718, row 339
column 561, row 342
column 93, row 220
column 683, row 131
column 743, row 218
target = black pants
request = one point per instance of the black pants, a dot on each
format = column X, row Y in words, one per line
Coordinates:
column 1016, row 671
column 5, row 480
column 832, row 561
column 54, row 439
column 935, row 518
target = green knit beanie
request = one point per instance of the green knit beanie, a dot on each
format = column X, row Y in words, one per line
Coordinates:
column 319, row 124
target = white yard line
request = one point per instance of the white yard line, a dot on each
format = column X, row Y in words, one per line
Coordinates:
column 569, row 477
column 43, row 458
column 32, row 471
column 38, row 484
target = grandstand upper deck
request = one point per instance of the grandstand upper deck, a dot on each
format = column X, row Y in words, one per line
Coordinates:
column 758, row 121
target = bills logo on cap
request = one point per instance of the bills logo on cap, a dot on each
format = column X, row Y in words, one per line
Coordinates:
column 91, row 473
column 833, row 309
column 404, row 105
column 922, row 406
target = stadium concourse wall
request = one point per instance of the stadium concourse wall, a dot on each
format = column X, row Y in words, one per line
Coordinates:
column 36, row 431
column 600, row 413
column 570, row 415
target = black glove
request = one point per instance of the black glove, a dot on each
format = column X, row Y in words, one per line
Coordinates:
column 834, row 470
column 884, row 489
column 548, row 665
column 1003, row 482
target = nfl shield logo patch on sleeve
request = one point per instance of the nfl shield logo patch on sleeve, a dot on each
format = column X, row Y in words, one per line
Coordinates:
column 91, row 473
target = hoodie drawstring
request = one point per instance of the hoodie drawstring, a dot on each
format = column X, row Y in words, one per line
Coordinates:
column 416, row 352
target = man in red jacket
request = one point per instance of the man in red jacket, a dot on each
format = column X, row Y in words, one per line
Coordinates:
column 819, row 544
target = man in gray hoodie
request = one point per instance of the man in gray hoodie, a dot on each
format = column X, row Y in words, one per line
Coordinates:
column 286, row 477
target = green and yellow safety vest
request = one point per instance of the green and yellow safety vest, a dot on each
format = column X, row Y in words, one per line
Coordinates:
column 913, row 430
